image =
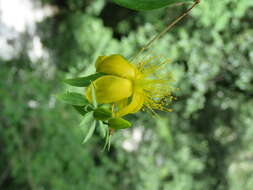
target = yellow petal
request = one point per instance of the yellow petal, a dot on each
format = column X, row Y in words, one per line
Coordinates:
column 115, row 65
column 134, row 106
column 110, row 89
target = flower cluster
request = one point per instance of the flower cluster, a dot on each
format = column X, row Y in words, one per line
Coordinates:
column 118, row 88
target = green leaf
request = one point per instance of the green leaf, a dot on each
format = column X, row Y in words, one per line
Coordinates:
column 88, row 108
column 119, row 123
column 102, row 114
column 90, row 132
column 80, row 109
column 73, row 98
column 87, row 120
column 147, row 4
column 107, row 140
column 83, row 81
column 102, row 128
column 87, row 124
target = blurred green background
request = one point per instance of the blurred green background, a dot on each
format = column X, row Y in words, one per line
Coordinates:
column 205, row 143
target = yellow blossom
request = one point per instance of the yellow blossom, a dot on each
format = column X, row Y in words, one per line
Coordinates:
column 130, row 87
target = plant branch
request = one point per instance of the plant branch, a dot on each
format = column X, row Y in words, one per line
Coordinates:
column 196, row 2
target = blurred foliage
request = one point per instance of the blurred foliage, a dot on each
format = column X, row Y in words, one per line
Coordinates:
column 147, row 4
column 205, row 143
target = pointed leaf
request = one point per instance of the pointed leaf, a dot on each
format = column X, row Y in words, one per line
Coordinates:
column 73, row 98
column 109, row 142
column 90, row 132
column 147, row 4
column 102, row 128
column 107, row 139
column 119, row 123
column 87, row 120
column 83, row 81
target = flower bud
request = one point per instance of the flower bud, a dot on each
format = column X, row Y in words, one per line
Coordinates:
column 110, row 89
column 115, row 65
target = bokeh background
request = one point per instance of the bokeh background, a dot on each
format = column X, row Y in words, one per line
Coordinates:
column 205, row 143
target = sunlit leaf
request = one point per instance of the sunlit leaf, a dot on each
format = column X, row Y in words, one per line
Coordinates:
column 83, row 81
column 102, row 128
column 73, row 98
column 147, row 4
column 87, row 120
column 90, row 132
column 107, row 140
column 119, row 123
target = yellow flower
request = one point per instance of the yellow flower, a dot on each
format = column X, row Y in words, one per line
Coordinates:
column 131, row 87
